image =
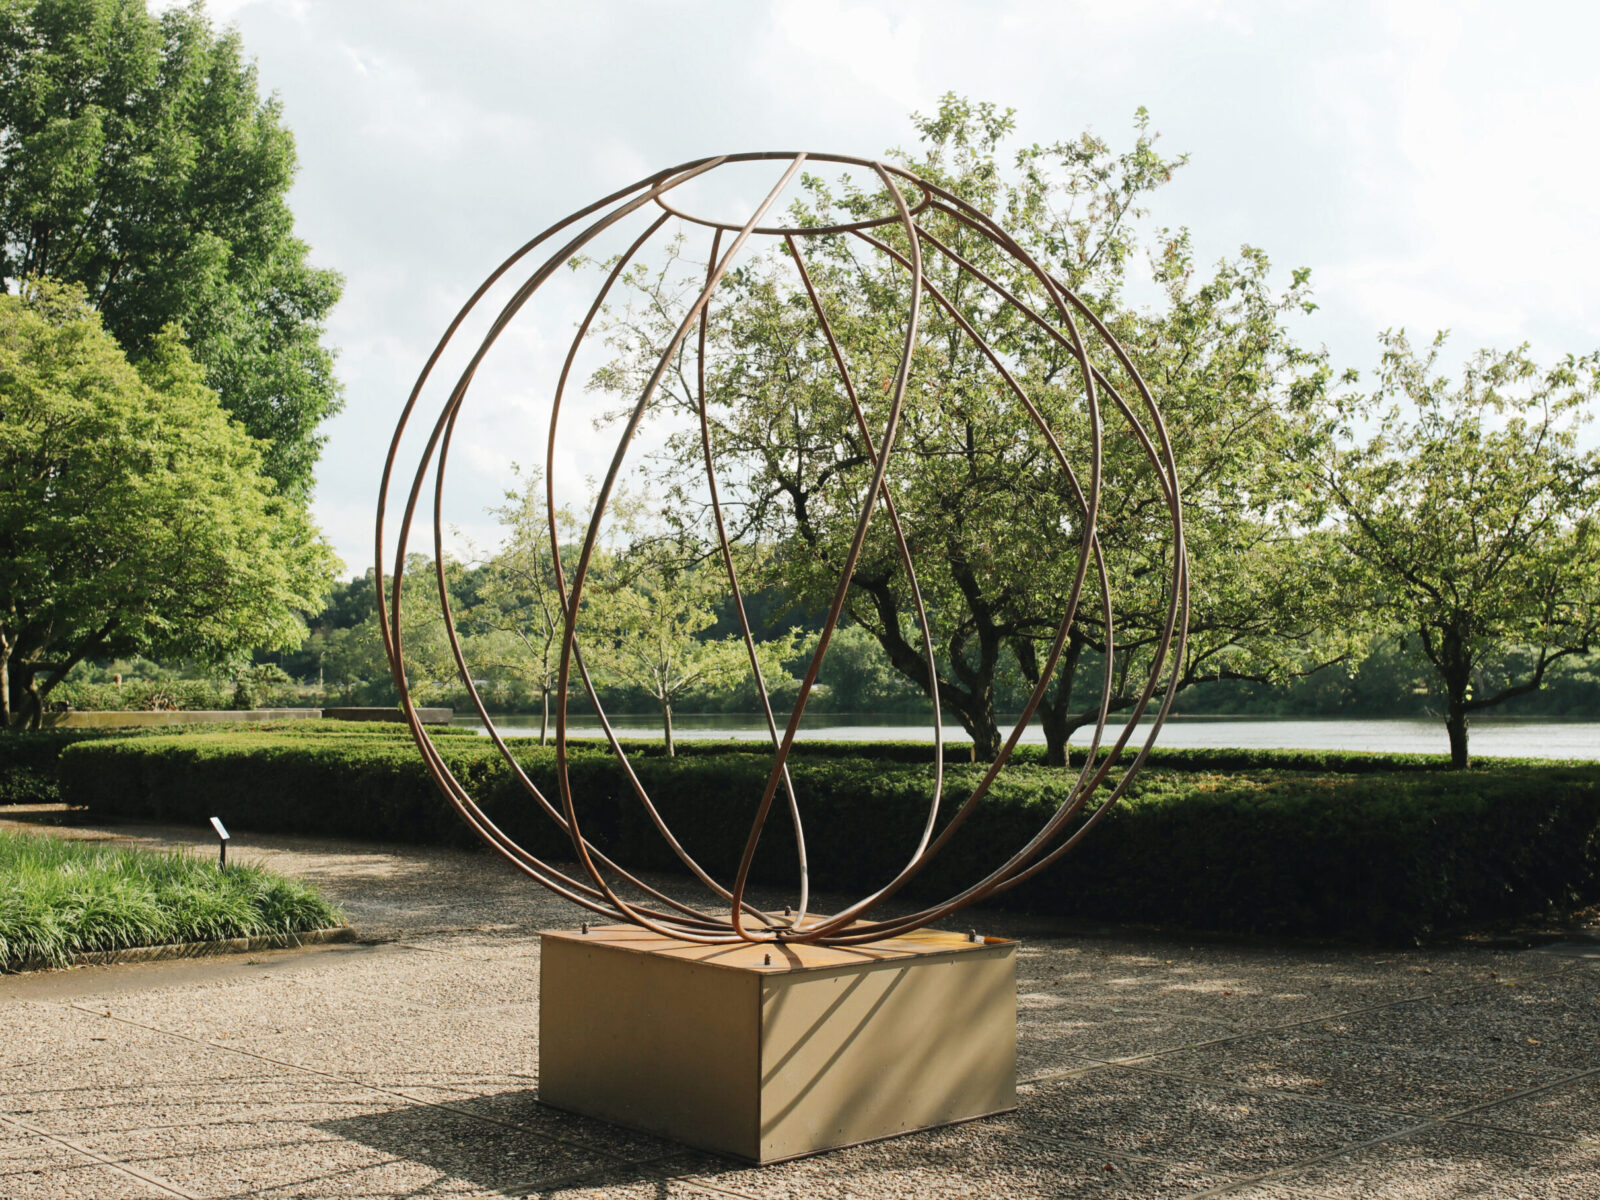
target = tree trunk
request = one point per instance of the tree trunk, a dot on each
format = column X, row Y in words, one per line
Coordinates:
column 1456, row 724
column 1455, row 667
column 985, row 732
column 1057, row 729
column 5, row 686
column 1055, row 717
column 31, row 715
column 544, row 722
column 24, row 705
column 666, row 725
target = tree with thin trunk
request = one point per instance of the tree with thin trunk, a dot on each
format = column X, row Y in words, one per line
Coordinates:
column 1471, row 517
column 643, row 628
column 518, row 597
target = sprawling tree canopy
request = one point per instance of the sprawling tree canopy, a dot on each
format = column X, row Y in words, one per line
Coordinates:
column 1472, row 515
column 138, row 160
column 135, row 516
column 984, row 504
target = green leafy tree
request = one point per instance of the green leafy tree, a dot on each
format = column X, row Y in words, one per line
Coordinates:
column 138, row 160
column 518, row 597
column 643, row 626
column 990, row 516
column 135, row 517
column 1472, row 516
column 855, row 678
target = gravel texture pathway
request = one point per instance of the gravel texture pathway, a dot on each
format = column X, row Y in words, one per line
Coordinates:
column 1150, row 1066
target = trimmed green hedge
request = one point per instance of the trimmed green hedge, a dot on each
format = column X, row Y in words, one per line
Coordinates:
column 1344, row 762
column 28, row 760
column 1373, row 852
column 28, row 765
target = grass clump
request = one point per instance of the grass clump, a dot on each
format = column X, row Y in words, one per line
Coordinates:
column 59, row 898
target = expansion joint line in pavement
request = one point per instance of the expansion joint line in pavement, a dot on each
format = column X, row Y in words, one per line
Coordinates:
column 1138, row 1062
column 1132, row 1060
column 209, row 1044
column 1431, row 1123
column 163, row 1185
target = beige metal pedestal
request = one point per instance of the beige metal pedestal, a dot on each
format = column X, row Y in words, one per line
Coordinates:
column 824, row 1047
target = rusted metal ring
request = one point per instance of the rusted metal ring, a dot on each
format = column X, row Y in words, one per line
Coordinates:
column 1059, row 314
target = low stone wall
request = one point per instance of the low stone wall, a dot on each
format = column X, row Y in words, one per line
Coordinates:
column 428, row 716
column 135, row 720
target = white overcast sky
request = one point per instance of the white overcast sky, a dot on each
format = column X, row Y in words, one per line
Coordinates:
column 1433, row 163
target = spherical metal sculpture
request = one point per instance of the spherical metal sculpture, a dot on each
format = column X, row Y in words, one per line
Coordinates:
column 1064, row 318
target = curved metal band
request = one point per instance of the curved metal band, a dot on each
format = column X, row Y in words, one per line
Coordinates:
column 594, row 887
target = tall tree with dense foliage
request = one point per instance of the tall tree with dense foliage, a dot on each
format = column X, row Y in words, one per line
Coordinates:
column 1472, row 514
column 138, row 160
column 135, row 516
column 992, row 517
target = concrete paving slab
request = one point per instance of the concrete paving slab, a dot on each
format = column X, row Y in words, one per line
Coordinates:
column 1568, row 1110
column 513, row 946
column 1103, row 1032
column 33, row 1167
column 397, row 1050
column 1331, row 1066
column 460, row 1146
column 66, row 1177
column 1266, row 987
column 1449, row 1162
column 1204, row 1127
column 428, row 979
column 1536, row 1033
column 345, row 1141
column 627, row 1186
column 1040, row 1060
column 984, row 1158
column 410, row 1067
column 241, row 1008
column 516, row 1102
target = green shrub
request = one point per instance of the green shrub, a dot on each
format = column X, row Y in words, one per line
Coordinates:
column 146, row 695
column 1344, row 762
column 28, row 763
column 28, row 760
column 1383, row 853
column 59, row 898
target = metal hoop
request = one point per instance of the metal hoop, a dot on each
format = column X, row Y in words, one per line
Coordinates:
column 1059, row 317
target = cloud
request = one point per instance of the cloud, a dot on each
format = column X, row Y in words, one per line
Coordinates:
column 1427, row 161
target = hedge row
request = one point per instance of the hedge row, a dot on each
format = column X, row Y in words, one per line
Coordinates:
column 1344, row 762
column 28, row 760
column 1372, row 854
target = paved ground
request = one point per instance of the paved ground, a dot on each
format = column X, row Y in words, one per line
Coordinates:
column 1150, row 1067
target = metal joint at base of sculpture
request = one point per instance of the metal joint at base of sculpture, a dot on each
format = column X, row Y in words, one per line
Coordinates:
column 600, row 886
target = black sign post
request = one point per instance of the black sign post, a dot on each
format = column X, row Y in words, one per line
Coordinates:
column 222, row 843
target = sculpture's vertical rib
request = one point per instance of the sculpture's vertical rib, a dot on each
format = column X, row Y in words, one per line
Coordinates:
column 596, row 888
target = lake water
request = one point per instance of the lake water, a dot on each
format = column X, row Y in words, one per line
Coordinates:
column 1490, row 737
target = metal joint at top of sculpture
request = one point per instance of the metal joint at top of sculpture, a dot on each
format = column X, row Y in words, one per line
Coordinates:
column 601, row 883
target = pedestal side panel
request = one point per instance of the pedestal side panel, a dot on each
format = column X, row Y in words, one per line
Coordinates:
column 858, row 1053
column 652, row 1042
